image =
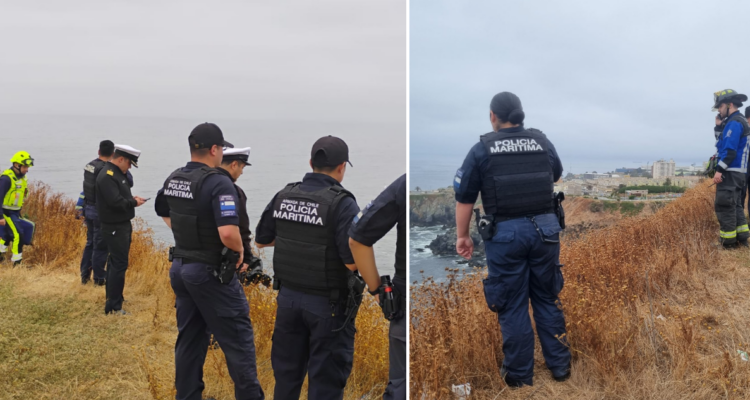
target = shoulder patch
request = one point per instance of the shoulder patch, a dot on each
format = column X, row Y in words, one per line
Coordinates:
column 227, row 205
column 457, row 179
column 110, row 172
column 361, row 213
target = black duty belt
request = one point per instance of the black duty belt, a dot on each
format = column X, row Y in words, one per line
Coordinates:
column 199, row 256
column 499, row 218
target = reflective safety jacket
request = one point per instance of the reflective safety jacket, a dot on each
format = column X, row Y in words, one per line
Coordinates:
column 18, row 190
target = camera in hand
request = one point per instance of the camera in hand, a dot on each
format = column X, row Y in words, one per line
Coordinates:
column 254, row 273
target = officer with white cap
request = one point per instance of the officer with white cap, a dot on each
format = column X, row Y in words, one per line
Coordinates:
column 232, row 165
column 116, row 207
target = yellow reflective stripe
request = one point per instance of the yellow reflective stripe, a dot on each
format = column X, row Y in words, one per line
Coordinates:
column 728, row 235
column 743, row 228
column 16, row 236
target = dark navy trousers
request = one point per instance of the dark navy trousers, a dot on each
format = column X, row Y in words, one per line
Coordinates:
column 304, row 344
column 523, row 266
column 396, row 389
column 203, row 302
column 95, row 252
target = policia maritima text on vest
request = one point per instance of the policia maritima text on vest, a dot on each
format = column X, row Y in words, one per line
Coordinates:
column 199, row 204
column 308, row 223
column 13, row 191
column 115, row 206
column 514, row 169
column 370, row 225
column 95, row 252
column 732, row 147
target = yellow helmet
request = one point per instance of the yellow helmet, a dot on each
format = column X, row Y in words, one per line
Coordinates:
column 23, row 158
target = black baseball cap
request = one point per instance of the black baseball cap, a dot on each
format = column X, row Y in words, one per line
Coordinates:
column 329, row 151
column 206, row 135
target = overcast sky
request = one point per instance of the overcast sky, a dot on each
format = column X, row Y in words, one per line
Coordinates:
column 608, row 82
column 297, row 60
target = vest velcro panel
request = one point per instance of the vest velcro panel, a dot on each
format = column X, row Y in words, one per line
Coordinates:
column 518, row 180
column 305, row 255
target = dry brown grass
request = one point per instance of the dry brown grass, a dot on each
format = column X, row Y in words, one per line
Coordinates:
column 56, row 342
column 653, row 311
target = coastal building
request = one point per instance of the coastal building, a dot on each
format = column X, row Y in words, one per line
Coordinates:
column 663, row 169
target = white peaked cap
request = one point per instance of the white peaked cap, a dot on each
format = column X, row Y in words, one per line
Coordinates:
column 241, row 154
column 129, row 152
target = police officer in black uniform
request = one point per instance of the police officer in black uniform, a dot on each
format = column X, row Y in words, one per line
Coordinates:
column 116, row 207
column 95, row 252
column 199, row 204
column 233, row 165
column 370, row 225
column 307, row 222
column 515, row 168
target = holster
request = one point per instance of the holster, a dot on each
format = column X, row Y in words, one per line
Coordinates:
column 559, row 197
column 485, row 225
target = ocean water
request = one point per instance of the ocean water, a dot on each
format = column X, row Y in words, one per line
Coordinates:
column 63, row 145
column 422, row 263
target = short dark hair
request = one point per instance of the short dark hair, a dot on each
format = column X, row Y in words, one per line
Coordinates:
column 229, row 162
column 117, row 155
column 106, row 148
column 202, row 152
column 326, row 169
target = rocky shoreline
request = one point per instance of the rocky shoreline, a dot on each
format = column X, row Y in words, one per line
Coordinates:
column 437, row 208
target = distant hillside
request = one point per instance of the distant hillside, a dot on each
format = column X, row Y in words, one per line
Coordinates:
column 581, row 214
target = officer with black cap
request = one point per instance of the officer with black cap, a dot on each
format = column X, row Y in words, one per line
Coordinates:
column 95, row 251
column 199, row 204
column 515, row 168
column 369, row 226
column 115, row 206
column 308, row 224
column 233, row 165
column 732, row 154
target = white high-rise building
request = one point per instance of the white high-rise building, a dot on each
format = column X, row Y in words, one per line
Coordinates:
column 663, row 169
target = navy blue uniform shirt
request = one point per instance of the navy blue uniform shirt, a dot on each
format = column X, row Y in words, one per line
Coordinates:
column 379, row 217
column 215, row 190
column 468, row 180
column 4, row 187
column 265, row 233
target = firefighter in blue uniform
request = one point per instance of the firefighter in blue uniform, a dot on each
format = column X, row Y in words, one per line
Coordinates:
column 95, row 252
column 370, row 225
column 199, row 204
column 115, row 207
column 307, row 222
column 515, row 168
column 732, row 154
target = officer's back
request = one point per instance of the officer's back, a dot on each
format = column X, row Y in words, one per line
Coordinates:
column 199, row 204
column 515, row 168
column 308, row 224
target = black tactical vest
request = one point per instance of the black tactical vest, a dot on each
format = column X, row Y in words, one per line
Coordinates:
column 742, row 120
column 305, row 257
column 518, row 180
column 90, row 171
column 196, row 234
